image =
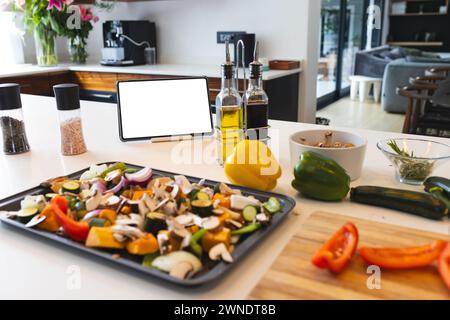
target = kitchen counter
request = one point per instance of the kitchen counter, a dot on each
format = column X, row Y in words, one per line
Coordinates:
column 33, row 268
column 159, row 69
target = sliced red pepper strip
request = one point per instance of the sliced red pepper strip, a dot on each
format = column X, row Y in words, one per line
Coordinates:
column 403, row 258
column 337, row 252
column 444, row 266
column 77, row 231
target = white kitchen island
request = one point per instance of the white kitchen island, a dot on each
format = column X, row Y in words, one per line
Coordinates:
column 34, row 268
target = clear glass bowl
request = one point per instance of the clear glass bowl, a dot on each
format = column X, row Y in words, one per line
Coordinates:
column 427, row 156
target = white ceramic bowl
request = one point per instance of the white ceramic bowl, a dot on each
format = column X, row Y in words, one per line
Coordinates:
column 351, row 159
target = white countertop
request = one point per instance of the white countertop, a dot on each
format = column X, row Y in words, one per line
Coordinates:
column 31, row 268
column 159, row 69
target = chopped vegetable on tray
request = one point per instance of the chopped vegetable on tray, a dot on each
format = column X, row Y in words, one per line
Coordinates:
column 173, row 225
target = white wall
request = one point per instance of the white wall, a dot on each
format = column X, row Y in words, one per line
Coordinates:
column 186, row 31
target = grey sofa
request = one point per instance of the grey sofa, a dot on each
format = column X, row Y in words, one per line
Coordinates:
column 397, row 74
column 396, row 66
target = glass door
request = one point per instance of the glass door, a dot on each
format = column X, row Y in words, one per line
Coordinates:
column 329, row 47
column 343, row 32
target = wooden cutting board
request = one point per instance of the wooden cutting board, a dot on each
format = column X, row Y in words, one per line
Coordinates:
column 292, row 276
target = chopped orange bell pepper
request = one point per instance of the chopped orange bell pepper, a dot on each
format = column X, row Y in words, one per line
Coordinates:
column 50, row 223
column 144, row 245
column 224, row 201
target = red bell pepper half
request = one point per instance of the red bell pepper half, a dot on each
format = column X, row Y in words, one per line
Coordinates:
column 77, row 231
column 403, row 258
column 337, row 252
column 444, row 266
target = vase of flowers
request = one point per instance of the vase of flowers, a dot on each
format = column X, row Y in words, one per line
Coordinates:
column 77, row 37
column 46, row 19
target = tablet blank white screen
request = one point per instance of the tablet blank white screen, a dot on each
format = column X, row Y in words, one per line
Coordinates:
column 163, row 108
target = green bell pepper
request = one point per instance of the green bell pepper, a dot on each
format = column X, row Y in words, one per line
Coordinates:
column 320, row 178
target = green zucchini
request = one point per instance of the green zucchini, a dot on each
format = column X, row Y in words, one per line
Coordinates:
column 71, row 186
column 50, row 196
column 98, row 222
column 193, row 194
column 154, row 222
column 439, row 182
column 202, row 196
column 25, row 215
column 417, row 203
column 272, row 205
column 203, row 208
column 249, row 213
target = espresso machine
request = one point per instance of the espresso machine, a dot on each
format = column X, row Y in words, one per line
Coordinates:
column 127, row 43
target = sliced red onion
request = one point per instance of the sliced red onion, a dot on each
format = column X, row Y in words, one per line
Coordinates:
column 142, row 177
column 98, row 186
column 122, row 184
column 92, row 214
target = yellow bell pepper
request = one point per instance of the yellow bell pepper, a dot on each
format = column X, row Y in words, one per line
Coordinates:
column 251, row 164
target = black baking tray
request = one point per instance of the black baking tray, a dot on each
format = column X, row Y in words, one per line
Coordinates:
column 212, row 270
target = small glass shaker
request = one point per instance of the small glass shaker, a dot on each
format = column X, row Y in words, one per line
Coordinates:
column 11, row 120
column 69, row 114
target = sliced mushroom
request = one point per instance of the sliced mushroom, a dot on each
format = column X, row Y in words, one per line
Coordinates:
column 211, row 223
column 127, row 232
column 218, row 212
column 8, row 214
column 185, row 219
column 111, row 201
column 233, row 214
column 35, row 221
column 182, row 270
column 232, row 224
column 263, row 218
column 94, row 202
column 114, row 176
column 170, row 208
column 179, row 234
column 220, row 252
column 163, row 202
column 149, row 202
column 163, row 242
column 133, row 220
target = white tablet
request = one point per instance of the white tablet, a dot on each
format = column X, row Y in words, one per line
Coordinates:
column 163, row 108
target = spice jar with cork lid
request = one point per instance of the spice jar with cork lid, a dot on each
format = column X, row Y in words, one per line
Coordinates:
column 14, row 137
column 69, row 114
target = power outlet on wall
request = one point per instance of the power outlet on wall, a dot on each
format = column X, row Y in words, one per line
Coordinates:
column 223, row 36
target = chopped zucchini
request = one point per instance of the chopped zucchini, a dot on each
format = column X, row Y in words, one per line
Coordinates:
column 99, row 222
column 202, row 196
column 50, row 196
column 71, row 186
column 193, row 194
column 25, row 215
column 249, row 213
column 272, row 205
column 203, row 208
column 154, row 222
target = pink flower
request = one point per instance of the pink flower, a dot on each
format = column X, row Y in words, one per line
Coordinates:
column 54, row 4
column 20, row 3
column 67, row 2
column 86, row 14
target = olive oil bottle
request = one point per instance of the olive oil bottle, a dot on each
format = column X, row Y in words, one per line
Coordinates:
column 229, row 111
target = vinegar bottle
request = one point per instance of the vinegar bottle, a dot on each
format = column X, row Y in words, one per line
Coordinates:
column 256, row 102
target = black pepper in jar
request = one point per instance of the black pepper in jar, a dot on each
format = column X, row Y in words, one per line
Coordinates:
column 14, row 138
